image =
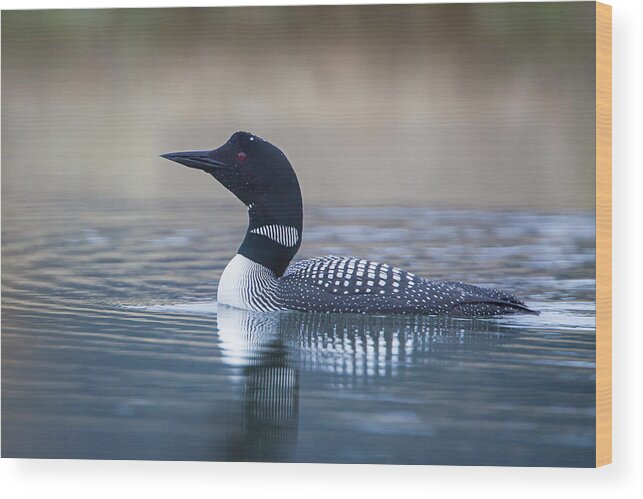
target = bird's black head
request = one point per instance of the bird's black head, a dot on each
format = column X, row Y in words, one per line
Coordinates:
column 248, row 166
column 261, row 176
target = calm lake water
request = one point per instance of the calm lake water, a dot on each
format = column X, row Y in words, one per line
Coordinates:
column 114, row 348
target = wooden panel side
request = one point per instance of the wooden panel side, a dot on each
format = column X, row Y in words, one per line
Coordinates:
column 603, row 234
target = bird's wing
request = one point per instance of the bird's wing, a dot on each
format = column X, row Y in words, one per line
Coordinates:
column 348, row 284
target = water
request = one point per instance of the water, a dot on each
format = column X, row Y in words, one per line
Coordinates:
column 114, row 348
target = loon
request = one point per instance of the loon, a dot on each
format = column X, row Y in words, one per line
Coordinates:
column 261, row 278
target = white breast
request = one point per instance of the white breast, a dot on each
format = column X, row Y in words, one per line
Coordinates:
column 248, row 285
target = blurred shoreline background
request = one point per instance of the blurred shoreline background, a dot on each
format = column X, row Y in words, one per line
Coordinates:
column 445, row 106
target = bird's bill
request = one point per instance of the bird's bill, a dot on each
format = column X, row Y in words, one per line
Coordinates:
column 200, row 160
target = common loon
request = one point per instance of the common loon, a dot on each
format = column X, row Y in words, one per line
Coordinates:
column 260, row 276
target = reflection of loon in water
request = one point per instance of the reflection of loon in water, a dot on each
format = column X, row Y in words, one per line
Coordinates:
column 270, row 421
column 271, row 351
column 260, row 278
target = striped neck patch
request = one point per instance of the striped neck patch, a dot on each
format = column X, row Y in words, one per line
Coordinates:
column 281, row 234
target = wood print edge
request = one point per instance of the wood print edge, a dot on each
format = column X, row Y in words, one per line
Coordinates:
column 603, row 234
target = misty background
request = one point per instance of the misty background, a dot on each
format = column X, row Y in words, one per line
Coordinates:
column 480, row 105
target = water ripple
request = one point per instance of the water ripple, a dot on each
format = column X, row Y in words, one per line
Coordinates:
column 113, row 345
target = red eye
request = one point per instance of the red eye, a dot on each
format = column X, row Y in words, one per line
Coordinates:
column 241, row 156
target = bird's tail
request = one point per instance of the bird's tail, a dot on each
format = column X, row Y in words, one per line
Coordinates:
column 503, row 306
column 480, row 301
